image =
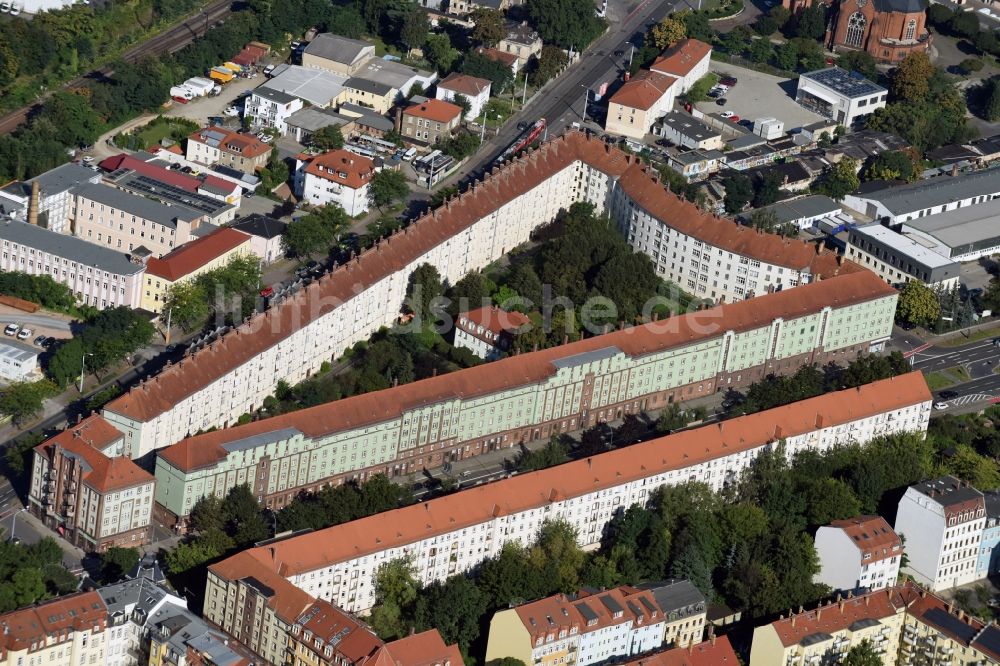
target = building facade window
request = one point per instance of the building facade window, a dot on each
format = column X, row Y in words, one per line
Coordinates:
column 911, row 29
column 856, row 29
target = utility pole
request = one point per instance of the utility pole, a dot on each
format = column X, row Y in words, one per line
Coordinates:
column 170, row 312
column 586, row 98
column 83, row 365
column 524, row 95
column 482, row 134
column 632, row 53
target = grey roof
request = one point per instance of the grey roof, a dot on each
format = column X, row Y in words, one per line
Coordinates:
column 797, row 209
column 913, row 246
column 948, row 490
column 336, row 48
column 677, row 596
column 149, row 186
column 902, row 6
column 140, row 594
column 391, row 73
column 274, row 95
column 521, row 33
column 962, row 226
column 688, row 125
column 848, row 84
column 312, row 119
column 746, row 142
column 17, row 350
column 316, row 86
column 938, row 191
column 137, row 205
column 368, row 85
column 362, row 115
column 70, row 247
column 587, row 357
column 866, row 143
column 992, row 498
column 692, row 156
column 261, row 226
column 65, row 177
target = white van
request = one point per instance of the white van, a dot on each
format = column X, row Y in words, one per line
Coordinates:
column 409, row 154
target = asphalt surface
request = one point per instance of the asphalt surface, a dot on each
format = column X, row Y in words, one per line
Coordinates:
column 980, row 359
column 34, row 321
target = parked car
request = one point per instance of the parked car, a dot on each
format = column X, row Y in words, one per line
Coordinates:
column 11, row 329
column 940, row 405
column 39, row 341
column 620, row 52
column 268, row 70
column 231, row 111
column 948, row 395
column 728, row 114
column 721, row 101
column 24, row 334
column 728, row 81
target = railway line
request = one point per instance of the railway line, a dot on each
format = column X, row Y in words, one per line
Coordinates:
column 169, row 41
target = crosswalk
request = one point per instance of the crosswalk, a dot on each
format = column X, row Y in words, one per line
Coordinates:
column 967, row 399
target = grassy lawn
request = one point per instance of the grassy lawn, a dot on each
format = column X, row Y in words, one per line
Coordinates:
column 699, row 91
column 942, row 379
column 975, row 336
column 498, row 112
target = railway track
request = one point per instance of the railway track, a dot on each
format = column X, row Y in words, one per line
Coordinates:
column 168, row 41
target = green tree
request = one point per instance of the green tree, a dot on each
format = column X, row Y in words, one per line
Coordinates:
column 28, row 586
column 440, row 53
column 275, row 174
column 206, row 514
column 811, row 22
column 697, row 26
column 413, row 33
column 346, row 21
column 918, row 305
column 970, row 65
column 387, row 186
column 557, row 556
column 454, row 608
column 396, row 588
column 328, row 138
column 912, row 77
column 858, row 61
column 761, row 51
column 862, row 654
column 116, row 562
column 316, row 231
column 768, row 221
column 565, row 23
column 471, row 292
column 478, row 65
column 668, row 32
column 423, row 289
column 463, row 103
column 841, row 179
column 186, row 556
column 739, row 191
column 991, row 108
column 893, row 165
column 550, row 62
column 243, row 518
column 489, row 26
column 22, row 401
column 555, row 452
column 965, row 24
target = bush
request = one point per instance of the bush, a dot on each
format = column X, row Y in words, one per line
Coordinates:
column 970, row 65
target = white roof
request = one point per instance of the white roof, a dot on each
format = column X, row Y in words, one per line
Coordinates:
column 910, row 242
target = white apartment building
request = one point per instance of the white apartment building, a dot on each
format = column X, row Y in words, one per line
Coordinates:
column 528, row 396
column 234, row 374
column 942, row 521
column 335, row 177
column 99, row 276
column 267, row 107
column 474, row 89
column 488, row 332
column 453, row 534
column 855, row 554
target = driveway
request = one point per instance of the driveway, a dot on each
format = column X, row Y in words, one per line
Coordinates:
column 759, row 95
column 40, row 324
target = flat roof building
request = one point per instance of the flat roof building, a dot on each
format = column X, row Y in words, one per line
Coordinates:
column 900, row 254
column 965, row 234
column 18, row 361
column 844, row 96
column 685, row 130
column 319, row 87
column 803, row 212
column 905, row 203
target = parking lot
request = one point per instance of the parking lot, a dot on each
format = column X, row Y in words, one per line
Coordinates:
column 759, row 95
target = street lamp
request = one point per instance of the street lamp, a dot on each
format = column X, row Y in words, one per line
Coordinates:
column 13, row 523
column 83, row 365
column 586, row 98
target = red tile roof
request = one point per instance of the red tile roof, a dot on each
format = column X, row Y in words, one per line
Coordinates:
column 332, row 626
column 713, row 652
column 464, row 84
column 234, row 142
column 500, row 56
column 500, row 187
column 524, row 369
column 340, row 166
column 682, row 57
column 643, row 90
column 424, row 649
column 552, row 614
column 834, row 617
column 57, row 619
column 399, row 527
column 288, row 602
column 872, row 536
column 496, row 320
column 192, row 256
column 434, row 109
column 85, row 441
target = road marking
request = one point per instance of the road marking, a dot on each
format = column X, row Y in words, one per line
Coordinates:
column 966, row 399
column 917, row 350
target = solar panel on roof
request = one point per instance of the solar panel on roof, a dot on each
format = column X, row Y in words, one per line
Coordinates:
column 648, row 604
column 612, row 605
column 948, row 622
column 588, row 614
column 989, row 639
